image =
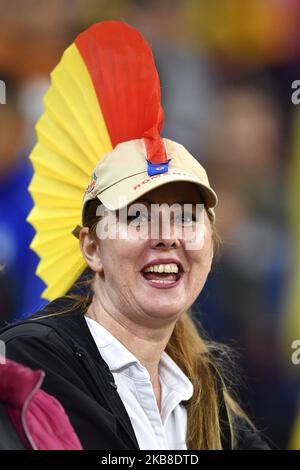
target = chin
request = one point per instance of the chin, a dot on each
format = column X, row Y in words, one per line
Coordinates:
column 166, row 311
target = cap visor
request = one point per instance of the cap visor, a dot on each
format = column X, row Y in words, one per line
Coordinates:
column 130, row 189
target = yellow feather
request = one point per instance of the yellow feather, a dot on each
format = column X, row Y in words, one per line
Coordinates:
column 72, row 138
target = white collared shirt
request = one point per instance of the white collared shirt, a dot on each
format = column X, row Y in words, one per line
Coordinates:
column 165, row 430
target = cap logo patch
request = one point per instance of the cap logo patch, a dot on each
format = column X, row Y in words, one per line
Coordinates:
column 157, row 168
column 91, row 184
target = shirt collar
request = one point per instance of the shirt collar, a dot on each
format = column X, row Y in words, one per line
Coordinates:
column 119, row 359
column 114, row 353
column 171, row 374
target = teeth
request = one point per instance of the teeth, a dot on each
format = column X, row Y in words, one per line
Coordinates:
column 163, row 268
column 161, row 281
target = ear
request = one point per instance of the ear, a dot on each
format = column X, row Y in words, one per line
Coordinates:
column 90, row 250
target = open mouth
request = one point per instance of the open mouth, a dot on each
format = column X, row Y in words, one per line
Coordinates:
column 163, row 275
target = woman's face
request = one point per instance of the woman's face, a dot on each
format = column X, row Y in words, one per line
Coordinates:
column 123, row 286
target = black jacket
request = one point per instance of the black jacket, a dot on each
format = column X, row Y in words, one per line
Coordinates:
column 80, row 379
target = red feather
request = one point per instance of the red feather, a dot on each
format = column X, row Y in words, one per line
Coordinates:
column 121, row 66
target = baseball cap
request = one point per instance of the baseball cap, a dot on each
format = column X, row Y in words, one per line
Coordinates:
column 121, row 177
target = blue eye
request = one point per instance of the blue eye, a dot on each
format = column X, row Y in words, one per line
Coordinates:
column 137, row 219
column 185, row 218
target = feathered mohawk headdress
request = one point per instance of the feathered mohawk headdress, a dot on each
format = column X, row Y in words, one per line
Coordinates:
column 104, row 91
column 104, row 99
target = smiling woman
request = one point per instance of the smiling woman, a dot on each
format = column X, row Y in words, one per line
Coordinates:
column 141, row 290
column 120, row 264
column 120, row 349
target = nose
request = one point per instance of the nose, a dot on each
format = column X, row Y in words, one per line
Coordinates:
column 164, row 237
column 165, row 243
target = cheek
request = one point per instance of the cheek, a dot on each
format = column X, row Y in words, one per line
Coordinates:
column 200, row 259
column 120, row 259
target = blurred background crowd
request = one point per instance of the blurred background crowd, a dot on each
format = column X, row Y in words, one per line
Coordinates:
column 226, row 69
